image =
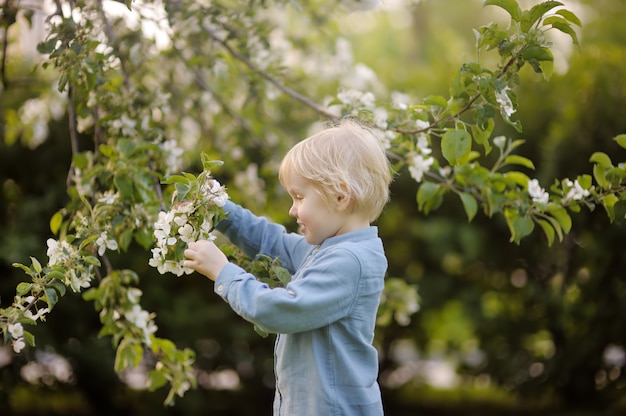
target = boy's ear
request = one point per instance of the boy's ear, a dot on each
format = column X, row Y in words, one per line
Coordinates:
column 343, row 199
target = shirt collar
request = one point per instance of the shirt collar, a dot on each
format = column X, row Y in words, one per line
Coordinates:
column 352, row 236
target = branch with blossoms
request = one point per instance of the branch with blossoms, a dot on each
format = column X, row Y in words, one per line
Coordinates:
column 481, row 93
column 197, row 205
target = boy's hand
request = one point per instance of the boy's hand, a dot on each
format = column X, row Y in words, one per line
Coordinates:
column 205, row 258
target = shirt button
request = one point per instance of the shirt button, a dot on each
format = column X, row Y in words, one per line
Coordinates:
column 220, row 288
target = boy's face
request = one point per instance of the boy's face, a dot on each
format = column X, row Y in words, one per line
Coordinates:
column 316, row 219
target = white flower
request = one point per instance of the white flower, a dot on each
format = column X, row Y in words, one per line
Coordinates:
column 173, row 155
column 58, row 252
column 185, row 207
column 104, row 242
column 506, row 106
column 186, row 233
column 423, row 145
column 419, row 165
column 206, row 226
column 400, row 100
column 180, row 220
column 133, row 294
column 356, row 98
column 499, row 141
column 422, row 124
column 19, row 345
column 16, row 330
column 576, row 192
column 215, row 192
column 445, row 171
column 537, row 193
column 77, row 279
column 184, row 386
column 109, row 197
column 124, row 124
column 40, row 314
column 142, row 320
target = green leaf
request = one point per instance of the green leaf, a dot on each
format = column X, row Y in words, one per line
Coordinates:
column 92, row 260
column 143, row 238
column 281, row 274
column 107, row 150
column 615, row 176
column 88, row 241
column 585, row 181
column 436, row 100
column 482, row 135
column 262, row 333
column 91, row 294
column 80, row 160
column 30, row 338
column 608, row 202
column 548, row 230
column 55, row 222
column 51, row 297
column 620, row 211
column 125, row 238
column 547, row 69
column 23, row 288
column 47, row 47
column 519, row 227
column 175, row 179
column 469, row 204
column 36, row 265
column 621, row 140
column 518, row 178
column 156, row 379
column 561, row 215
column 519, row 160
column 557, row 227
column 126, row 147
column 207, row 163
column 429, row 196
column 601, row 159
column 537, row 53
column 57, row 285
column 570, row 17
column 456, row 146
column 124, row 184
column 563, row 25
column 26, row 269
column 511, row 7
column 529, row 18
column 128, row 355
column 165, row 346
column 599, row 174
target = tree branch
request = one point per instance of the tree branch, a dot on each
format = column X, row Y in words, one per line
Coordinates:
column 273, row 80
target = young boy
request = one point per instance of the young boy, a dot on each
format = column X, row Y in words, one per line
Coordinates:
column 325, row 363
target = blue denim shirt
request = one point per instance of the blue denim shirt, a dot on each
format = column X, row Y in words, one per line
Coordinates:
column 325, row 364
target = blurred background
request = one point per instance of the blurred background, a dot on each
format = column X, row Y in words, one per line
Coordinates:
column 501, row 329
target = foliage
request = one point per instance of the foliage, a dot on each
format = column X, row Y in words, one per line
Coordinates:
column 131, row 99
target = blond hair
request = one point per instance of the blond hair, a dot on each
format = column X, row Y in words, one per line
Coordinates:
column 347, row 158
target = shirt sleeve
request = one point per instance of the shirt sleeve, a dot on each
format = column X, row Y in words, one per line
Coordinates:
column 323, row 294
column 256, row 235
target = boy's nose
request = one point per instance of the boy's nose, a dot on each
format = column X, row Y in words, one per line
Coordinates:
column 293, row 211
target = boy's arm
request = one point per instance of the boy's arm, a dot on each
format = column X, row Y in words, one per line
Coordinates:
column 324, row 294
column 256, row 235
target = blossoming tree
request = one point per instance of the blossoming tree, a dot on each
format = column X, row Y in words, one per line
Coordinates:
column 123, row 91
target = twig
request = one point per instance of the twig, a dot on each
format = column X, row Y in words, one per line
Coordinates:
column 273, row 80
column 112, row 42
